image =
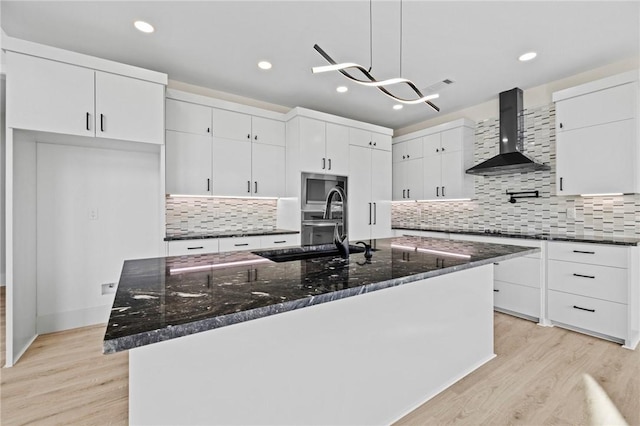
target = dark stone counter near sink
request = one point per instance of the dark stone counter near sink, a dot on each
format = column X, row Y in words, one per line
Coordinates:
column 164, row 298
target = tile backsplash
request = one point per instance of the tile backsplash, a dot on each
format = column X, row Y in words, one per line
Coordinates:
column 490, row 209
column 200, row 215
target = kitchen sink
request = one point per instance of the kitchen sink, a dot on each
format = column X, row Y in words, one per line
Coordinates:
column 305, row 252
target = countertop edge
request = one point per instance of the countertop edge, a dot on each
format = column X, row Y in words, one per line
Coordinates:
column 168, row 333
column 235, row 234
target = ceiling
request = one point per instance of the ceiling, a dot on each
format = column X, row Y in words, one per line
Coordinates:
column 217, row 44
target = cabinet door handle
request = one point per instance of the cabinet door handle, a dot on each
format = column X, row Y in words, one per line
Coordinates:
column 208, row 129
column 375, row 143
column 241, row 244
column 497, row 291
column 403, row 192
column 403, row 157
column 195, row 248
column 409, row 193
column 584, row 276
column 442, row 149
column 255, row 137
column 329, row 163
column 583, row 309
column 375, row 214
column 561, row 125
column 208, row 184
column 443, row 191
column 102, row 122
column 324, row 163
column 584, row 252
column 369, row 213
column 255, row 184
column 248, row 136
column 280, row 242
column 437, row 191
column 408, row 156
column 369, row 142
column 560, row 184
column 88, row 116
column 248, row 186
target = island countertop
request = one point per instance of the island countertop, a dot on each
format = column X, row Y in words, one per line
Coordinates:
column 164, row 298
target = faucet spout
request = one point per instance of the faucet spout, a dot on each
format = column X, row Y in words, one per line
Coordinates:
column 340, row 239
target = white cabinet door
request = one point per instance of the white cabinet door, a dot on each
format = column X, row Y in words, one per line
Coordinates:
column 231, row 167
column 380, row 141
column 312, row 145
column 337, row 149
column 432, row 178
column 359, row 194
column 596, row 159
column 381, row 193
column 431, row 144
column 360, row 137
column 231, row 125
column 399, row 177
column 49, row 96
column 600, row 107
column 452, row 174
column 267, row 131
column 188, row 163
column 129, row 109
column 451, row 140
column 268, row 171
column 187, row 117
column 414, row 179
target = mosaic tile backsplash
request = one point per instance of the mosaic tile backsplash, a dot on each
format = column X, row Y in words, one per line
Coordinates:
column 490, row 209
column 194, row 215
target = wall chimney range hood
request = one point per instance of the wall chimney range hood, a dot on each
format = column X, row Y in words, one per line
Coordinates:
column 511, row 159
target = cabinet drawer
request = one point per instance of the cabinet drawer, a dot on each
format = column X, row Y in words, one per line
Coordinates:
column 239, row 243
column 596, row 315
column 602, row 282
column 522, row 270
column 595, row 254
column 184, row 247
column 516, row 298
column 277, row 241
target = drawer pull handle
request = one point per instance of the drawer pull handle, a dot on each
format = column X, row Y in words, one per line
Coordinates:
column 497, row 291
column 194, row 248
column 584, row 276
column 241, row 244
column 495, row 263
column 583, row 309
column 280, row 242
column 584, row 252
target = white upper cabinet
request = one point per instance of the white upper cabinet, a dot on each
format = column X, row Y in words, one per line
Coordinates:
column 408, row 179
column 231, row 167
column 188, row 117
column 56, row 97
column 337, row 149
column 267, row 131
column 188, row 163
column 597, row 137
column 369, row 139
column 324, row 147
column 239, row 126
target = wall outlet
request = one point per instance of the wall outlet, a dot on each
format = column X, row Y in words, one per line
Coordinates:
column 93, row 213
column 571, row 212
column 108, row 288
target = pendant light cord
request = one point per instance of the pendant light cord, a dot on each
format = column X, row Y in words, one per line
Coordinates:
column 400, row 38
column 370, row 35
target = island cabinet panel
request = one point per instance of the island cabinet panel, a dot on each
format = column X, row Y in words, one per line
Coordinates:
column 451, row 334
column 597, row 137
column 593, row 289
column 55, row 97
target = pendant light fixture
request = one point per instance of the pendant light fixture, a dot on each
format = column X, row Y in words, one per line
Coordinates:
column 370, row 81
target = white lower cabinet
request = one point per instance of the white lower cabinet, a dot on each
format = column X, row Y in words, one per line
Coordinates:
column 516, row 299
column 186, row 247
column 278, row 241
column 220, row 245
column 589, row 287
column 239, row 243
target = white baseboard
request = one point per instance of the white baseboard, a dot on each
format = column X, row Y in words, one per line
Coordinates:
column 73, row 319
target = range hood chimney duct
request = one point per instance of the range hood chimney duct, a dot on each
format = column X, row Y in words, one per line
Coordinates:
column 511, row 159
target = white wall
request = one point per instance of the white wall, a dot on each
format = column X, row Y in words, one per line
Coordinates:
column 532, row 97
column 3, row 269
column 96, row 208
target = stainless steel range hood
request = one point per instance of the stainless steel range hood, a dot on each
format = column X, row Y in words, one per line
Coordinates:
column 511, row 159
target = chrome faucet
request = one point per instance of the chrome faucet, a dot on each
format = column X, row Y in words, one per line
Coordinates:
column 340, row 240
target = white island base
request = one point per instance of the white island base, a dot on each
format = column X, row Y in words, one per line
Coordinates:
column 363, row 360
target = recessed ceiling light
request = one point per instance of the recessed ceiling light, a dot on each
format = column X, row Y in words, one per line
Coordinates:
column 264, row 65
column 145, row 27
column 397, row 106
column 341, row 89
column 527, row 56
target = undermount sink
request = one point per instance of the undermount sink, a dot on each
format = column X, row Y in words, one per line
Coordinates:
column 305, row 252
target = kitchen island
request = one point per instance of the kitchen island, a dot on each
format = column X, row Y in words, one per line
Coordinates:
column 238, row 339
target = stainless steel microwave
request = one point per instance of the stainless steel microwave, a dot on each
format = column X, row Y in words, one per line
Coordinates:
column 315, row 188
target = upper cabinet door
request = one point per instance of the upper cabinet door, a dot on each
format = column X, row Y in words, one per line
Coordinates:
column 231, row 125
column 268, row 131
column 129, row 109
column 360, row 137
column 313, row 156
column 452, row 140
column 267, row 171
column 188, row 163
column 380, row 141
column 188, row 117
column 600, row 107
column 337, row 149
column 431, row 144
column 49, row 96
column 232, row 167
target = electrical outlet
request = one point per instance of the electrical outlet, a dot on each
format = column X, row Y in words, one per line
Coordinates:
column 571, row 212
column 93, row 213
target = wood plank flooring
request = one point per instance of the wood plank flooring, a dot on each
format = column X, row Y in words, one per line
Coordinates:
column 535, row 380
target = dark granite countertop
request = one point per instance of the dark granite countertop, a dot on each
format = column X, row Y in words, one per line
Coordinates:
column 613, row 240
column 230, row 234
column 164, row 298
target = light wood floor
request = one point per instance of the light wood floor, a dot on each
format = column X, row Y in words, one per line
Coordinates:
column 535, row 380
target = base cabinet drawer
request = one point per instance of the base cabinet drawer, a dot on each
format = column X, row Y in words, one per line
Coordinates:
column 600, row 316
column 521, row 270
column 239, row 243
column 601, row 282
column 277, row 241
column 516, row 298
column 185, row 247
column 594, row 254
